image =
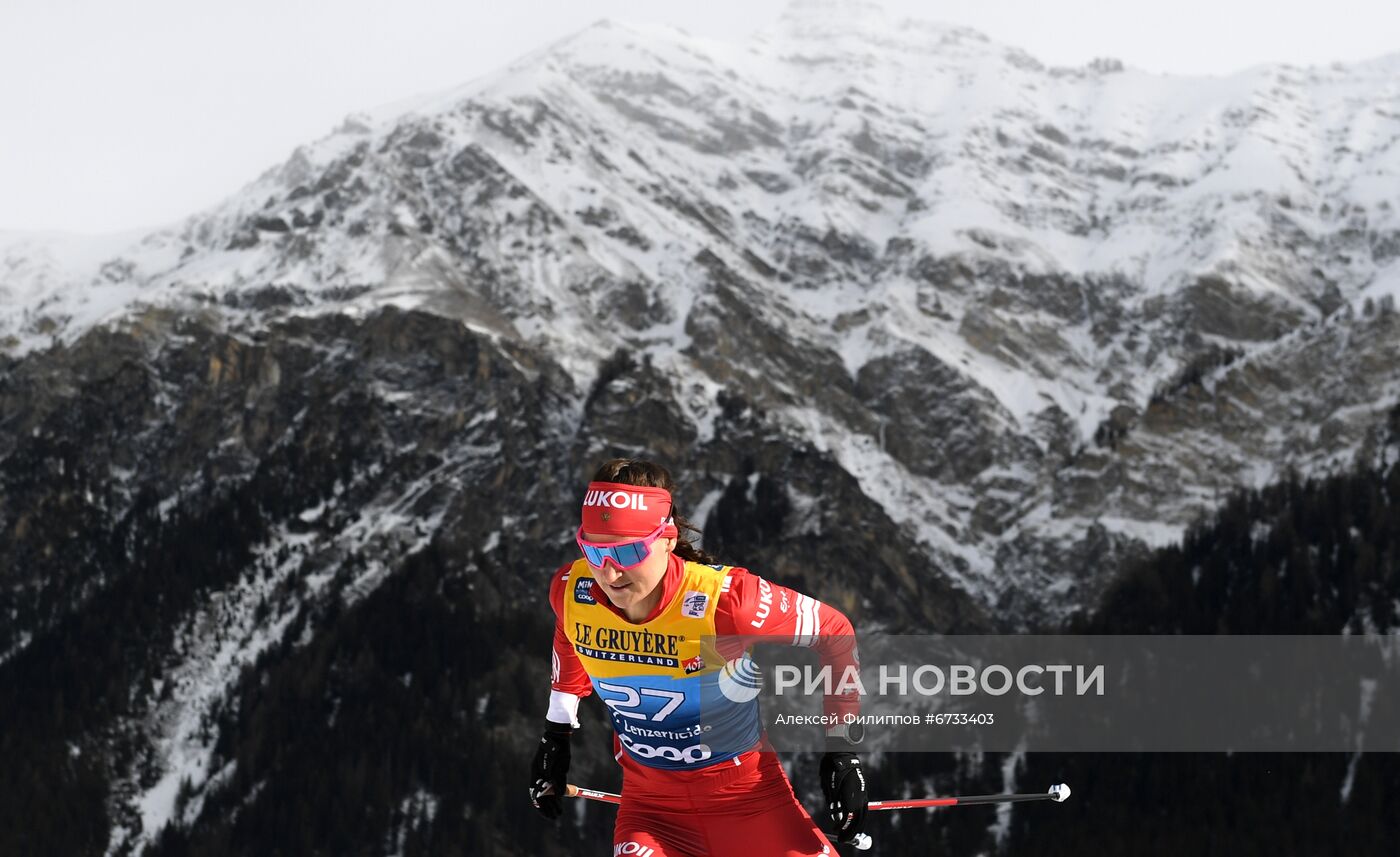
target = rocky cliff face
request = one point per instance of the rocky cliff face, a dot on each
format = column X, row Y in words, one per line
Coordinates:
column 932, row 330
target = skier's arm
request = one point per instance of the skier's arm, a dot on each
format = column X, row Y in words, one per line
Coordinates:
column 754, row 607
column 568, row 683
column 568, row 679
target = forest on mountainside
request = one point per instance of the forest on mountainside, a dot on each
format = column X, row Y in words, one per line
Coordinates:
column 406, row 725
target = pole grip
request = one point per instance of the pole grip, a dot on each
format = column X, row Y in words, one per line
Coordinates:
column 571, row 790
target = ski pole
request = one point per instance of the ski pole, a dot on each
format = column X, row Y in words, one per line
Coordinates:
column 862, row 842
column 572, row 790
column 1058, row 793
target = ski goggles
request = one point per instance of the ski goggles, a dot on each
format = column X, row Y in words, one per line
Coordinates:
column 625, row 555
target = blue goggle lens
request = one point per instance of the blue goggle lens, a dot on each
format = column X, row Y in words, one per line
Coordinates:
column 627, row 554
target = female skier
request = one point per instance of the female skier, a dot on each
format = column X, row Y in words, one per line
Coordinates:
column 642, row 620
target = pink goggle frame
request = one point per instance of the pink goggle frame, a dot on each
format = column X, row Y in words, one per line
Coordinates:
column 624, row 555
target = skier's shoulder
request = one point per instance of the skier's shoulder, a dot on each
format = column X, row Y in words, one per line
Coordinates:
column 557, row 581
column 728, row 574
column 560, row 574
column 737, row 582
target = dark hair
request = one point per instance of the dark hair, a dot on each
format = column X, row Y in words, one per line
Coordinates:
column 649, row 474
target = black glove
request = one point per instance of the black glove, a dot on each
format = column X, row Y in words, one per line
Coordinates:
column 549, row 769
column 843, row 785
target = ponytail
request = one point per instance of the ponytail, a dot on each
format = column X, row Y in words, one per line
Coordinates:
column 684, row 548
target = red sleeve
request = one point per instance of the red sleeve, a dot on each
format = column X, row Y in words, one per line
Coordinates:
column 754, row 607
column 566, row 673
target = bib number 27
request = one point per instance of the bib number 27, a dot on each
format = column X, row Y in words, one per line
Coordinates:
column 631, row 703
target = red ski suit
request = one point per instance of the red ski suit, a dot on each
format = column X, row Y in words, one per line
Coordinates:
column 742, row 805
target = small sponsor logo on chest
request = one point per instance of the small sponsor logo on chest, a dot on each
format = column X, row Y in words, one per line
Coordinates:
column 694, row 604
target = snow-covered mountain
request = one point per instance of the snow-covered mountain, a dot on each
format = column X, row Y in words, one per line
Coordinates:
column 929, row 254
column 860, row 280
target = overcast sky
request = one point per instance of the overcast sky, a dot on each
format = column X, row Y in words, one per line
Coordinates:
column 118, row 114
